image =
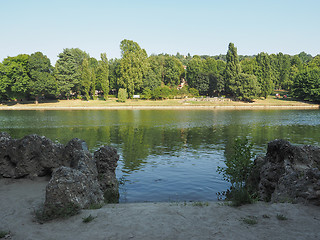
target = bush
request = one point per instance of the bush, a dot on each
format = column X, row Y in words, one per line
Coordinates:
column 147, row 94
column 237, row 170
column 194, row 92
column 122, row 95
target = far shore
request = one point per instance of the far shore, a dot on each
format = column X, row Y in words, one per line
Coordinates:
column 170, row 104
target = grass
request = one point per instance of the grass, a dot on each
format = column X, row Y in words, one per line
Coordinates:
column 281, row 217
column 96, row 206
column 43, row 215
column 88, row 219
column 200, row 204
column 250, row 220
column 3, row 234
column 270, row 101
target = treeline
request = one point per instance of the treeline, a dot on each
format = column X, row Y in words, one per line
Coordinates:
column 76, row 75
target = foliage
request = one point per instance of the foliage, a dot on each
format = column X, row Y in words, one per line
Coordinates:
column 307, row 85
column 237, row 170
column 194, row 92
column 88, row 219
column 102, row 76
column 232, row 70
column 122, row 95
column 133, row 66
column 4, row 234
column 281, row 217
column 42, row 81
column 263, row 73
column 247, row 87
column 250, row 220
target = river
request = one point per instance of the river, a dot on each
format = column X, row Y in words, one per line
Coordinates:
column 168, row 155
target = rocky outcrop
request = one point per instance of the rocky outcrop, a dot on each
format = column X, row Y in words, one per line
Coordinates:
column 30, row 156
column 287, row 173
column 77, row 176
column 106, row 159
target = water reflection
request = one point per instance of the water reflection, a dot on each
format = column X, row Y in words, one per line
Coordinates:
column 167, row 155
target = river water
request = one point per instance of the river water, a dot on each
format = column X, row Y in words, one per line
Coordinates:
column 168, row 155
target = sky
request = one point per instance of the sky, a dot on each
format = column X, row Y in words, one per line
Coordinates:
column 198, row 27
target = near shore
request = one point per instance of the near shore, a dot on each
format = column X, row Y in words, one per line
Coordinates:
column 170, row 104
column 214, row 220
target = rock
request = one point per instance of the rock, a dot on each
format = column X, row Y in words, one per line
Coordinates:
column 73, row 168
column 106, row 159
column 30, row 156
column 288, row 173
column 77, row 154
column 69, row 185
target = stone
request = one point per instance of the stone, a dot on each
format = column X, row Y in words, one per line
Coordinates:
column 69, row 185
column 106, row 159
column 30, row 156
column 287, row 173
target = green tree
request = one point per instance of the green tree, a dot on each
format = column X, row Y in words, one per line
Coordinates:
column 194, row 68
column 103, row 75
column 68, row 71
column 247, row 87
column 114, row 74
column 86, row 78
column 307, row 85
column 133, row 66
column 122, row 95
column 173, row 71
column 263, row 73
column 232, row 70
column 15, row 80
column 42, row 81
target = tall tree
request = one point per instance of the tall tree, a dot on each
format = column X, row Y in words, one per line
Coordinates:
column 103, row 75
column 194, row 68
column 232, row 70
column 42, row 81
column 173, row 71
column 68, row 71
column 133, row 66
column 15, row 76
column 263, row 73
column 86, row 78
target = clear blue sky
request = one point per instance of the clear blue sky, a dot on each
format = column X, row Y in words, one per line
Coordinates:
column 203, row 27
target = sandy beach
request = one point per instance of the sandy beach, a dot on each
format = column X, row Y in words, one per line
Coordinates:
column 214, row 220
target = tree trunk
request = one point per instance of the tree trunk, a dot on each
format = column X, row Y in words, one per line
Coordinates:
column 37, row 100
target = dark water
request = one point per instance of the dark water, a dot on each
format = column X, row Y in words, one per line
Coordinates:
column 168, row 155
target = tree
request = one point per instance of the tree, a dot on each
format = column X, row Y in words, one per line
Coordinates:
column 42, row 81
column 173, row 71
column 86, row 78
column 15, row 80
column 114, row 73
column 103, row 75
column 194, row 68
column 133, row 66
column 263, row 73
column 307, row 85
column 68, row 71
column 247, row 87
column 232, row 70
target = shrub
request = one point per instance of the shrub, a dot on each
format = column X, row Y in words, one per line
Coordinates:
column 147, row 94
column 237, row 170
column 122, row 95
column 194, row 92
column 88, row 219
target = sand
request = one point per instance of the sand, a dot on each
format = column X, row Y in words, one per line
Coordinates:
column 214, row 220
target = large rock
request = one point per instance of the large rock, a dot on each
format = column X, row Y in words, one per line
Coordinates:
column 30, row 156
column 288, row 173
column 73, row 169
column 106, row 159
column 70, row 186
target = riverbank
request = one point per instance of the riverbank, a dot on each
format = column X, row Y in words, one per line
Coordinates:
column 170, row 104
column 20, row 197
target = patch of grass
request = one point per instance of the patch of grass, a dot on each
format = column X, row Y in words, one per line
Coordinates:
column 96, row 206
column 200, row 204
column 250, row 220
column 265, row 216
column 88, row 219
column 3, row 234
column 55, row 212
column 281, row 217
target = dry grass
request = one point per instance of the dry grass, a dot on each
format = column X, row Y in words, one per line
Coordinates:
column 270, row 102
